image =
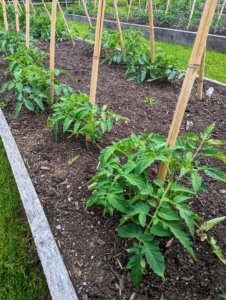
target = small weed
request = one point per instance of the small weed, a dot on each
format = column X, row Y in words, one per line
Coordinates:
column 150, row 101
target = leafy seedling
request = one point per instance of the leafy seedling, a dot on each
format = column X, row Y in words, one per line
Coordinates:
column 71, row 161
column 150, row 101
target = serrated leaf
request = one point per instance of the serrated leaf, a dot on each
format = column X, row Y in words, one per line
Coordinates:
column 137, row 265
column 76, row 127
column 168, row 214
column 217, row 250
column 180, row 198
column 154, row 257
column 67, row 123
column 135, row 180
column 208, row 131
column 177, row 230
column 105, row 154
column 39, row 102
column 180, row 188
column 190, row 136
column 209, row 224
column 29, row 105
column 211, row 152
column 158, row 230
column 215, row 173
column 187, row 215
column 130, row 231
column 196, row 181
column 141, row 209
column 118, row 202
column 18, row 108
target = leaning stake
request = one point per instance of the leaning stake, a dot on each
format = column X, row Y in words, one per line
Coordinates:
column 201, row 76
column 194, row 63
column 27, row 23
column 65, row 22
column 118, row 25
column 96, row 54
column 52, row 49
column 16, row 15
column 4, row 15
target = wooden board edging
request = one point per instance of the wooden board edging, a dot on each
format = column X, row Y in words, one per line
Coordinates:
column 57, row 277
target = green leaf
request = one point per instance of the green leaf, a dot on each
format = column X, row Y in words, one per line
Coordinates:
column 186, row 213
column 180, row 198
column 171, row 75
column 223, row 295
column 130, row 231
column 168, row 214
column 215, row 173
column 180, row 188
column 177, row 230
column 158, row 230
column 29, row 105
column 57, row 89
column 141, row 209
column 209, row 224
column 118, row 202
column 136, row 264
column 190, row 136
column 211, row 152
column 71, row 161
column 67, row 123
column 18, row 108
column 135, row 180
column 217, row 250
column 39, row 102
column 154, row 256
column 76, row 127
column 196, row 181
column 208, row 131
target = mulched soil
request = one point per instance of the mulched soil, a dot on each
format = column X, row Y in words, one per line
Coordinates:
column 93, row 253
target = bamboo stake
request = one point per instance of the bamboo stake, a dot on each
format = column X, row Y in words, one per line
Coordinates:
column 167, row 6
column 155, row 6
column 19, row 5
column 194, row 63
column 4, row 15
column 118, row 25
column 191, row 14
column 87, row 14
column 151, row 26
column 16, row 16
column 130, row 4
column 97, row 47
column 52, row 48
column 46, row 9
column 218, row 6
column 201, row 76
column 65, row 22
column 27, row 23
column 139, row 4
column 222, row 9
column 146, row 6
column 33, row 7
column 96, row 54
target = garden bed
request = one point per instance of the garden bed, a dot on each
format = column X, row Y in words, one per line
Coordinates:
column 186, row 38
column 92, row 252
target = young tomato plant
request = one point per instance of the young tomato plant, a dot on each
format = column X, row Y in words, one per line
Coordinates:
column 152, row 208
column 78, row 116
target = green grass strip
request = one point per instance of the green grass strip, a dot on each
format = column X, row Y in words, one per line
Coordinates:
column 21, row 276
column 215, row 63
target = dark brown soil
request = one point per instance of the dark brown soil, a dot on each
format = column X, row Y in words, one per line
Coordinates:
column 93, row 253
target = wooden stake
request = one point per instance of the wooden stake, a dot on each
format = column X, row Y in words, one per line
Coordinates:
column 46, row 9
column 201, row 76
column 151, row 26
column 97, row 47
column 16, row 16
column 4, row 15
column 191, row 14
column 19, row 5
column 96, row 54
column 27, row 23
column 194, row 63
column 52, row 48
column 87, row 14
column 220, row 14
column 33, row 7
column 130, row 4
column 118, row 25
column 65, row 22
column 167, row 6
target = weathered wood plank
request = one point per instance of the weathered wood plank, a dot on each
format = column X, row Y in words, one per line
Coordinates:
column 57, row 277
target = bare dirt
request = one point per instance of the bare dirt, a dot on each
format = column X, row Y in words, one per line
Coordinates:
column 93, row 253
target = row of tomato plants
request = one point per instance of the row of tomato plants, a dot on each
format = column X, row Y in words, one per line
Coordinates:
column 150, row 208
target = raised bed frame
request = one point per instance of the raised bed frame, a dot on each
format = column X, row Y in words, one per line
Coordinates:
column 56, row 274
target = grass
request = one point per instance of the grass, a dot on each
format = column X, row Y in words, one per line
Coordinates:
column 21, row 276
column 215, row 63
